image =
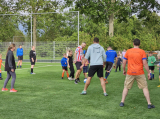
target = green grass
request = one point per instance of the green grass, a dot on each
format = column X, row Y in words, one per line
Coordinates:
column 46, row 96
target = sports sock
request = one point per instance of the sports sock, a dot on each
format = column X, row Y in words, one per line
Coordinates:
column 17, row 66
column 62, row 74
column 153, row 75
column 31, row 70
column 107, row 74
column 0, row 75
column 67, row 74
column 20, row 66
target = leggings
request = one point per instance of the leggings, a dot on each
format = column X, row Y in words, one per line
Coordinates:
column 9, row 74
column 119, row 67
column 72, row 71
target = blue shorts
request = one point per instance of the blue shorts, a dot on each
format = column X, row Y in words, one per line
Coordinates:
column 85, row 69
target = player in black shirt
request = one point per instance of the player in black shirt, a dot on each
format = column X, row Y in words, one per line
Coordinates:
column 70, row 65
column 33, row 59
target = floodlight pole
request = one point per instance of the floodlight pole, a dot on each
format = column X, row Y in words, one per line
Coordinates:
column 31, row 29
column 78, row 28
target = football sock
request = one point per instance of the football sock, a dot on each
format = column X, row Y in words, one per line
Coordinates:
column 62, row 74
column 20, row 66
column 153, row 75
column 17, row 66
column 31, row 70
column 107, row 74
column 0, row 75
column 67, row 74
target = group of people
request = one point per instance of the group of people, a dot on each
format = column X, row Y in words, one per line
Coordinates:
column 10, row 64
column 135, row 58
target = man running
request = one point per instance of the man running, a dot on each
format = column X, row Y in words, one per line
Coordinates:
column 136, row 60
column 20, row 56
column 97, row 62
column 78, row 61
column 111, row 54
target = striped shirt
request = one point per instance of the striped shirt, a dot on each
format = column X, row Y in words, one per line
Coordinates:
column 79, row 52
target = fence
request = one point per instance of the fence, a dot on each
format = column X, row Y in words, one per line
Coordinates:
column 45, row 51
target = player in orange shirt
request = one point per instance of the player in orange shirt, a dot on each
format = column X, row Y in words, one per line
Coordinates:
column 0, row 66
column 136, row 60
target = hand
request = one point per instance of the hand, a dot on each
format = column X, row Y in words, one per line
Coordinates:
column 68, row 66
column 36, row 60
column 81, row 66
column 151, row 62
column 124, row 72
column 12, row 70
column 149, row 76
column 114, row 66
column 17, row 57
column 103, row 65
column 74, row 62
column 32, row 60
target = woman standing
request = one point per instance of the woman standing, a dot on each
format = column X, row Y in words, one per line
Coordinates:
column 10, row 67
column 32, row 58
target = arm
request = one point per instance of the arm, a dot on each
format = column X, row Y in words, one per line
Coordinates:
column 10, row 54
column 146, row 67
column 17, row 53
column 75, row 57
column 104, row 58
column 31, row 55
column 2, row 65
column 124, row 66
column 68, row 62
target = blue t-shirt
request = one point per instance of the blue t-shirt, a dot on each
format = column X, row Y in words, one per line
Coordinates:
column 111, row 54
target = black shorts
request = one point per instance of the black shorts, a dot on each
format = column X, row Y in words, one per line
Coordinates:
column 20, row 57
column 78, row 65
column 109, row 66
column 151, row 68
column 85, row 69
column 94, row 69
column 32, row 63
column 65, row 68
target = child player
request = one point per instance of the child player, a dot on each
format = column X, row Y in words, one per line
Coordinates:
column 0, row 66
column 70, row 65
column 151, row 61
column 85, row 67
column 64, row 65
column 158, row 65
column 119, row 62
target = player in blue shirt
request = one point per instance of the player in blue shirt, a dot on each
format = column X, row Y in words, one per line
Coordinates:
column 111, row 55
column 64, row 65
column 20, row 56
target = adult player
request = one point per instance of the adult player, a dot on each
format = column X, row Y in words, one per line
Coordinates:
column 136, row 60
column 111, row 55
column 78, row 61
column 97, row 62
column 32, row 58
column 10, row 67
column 151, row 61
column 20, row 56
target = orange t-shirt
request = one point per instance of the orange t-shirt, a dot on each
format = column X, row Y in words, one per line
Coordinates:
column 0, row 63
column 135, row 57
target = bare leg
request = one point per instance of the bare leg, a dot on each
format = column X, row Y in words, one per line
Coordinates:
column 20, row 62
column 87, row 83
column 102, row 84
column 146, row 94
column 85, row 75
column 124, row 94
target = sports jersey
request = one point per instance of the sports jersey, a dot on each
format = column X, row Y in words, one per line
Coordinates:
column 111, row 54
column 32, row 54
column 151, row 59
column 64, row 62
column 19, row 52
column 0, row 63
column 135, row 57
column 79, row 52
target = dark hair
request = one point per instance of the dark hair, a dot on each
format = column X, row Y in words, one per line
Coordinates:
column 150, row 52
column 96, row 40
column 136, row 42
column 69, row 50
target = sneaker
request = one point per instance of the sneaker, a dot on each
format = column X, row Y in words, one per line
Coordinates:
column 115, row 71
column 69, row 78
column 62, row 78
column 105, row 94
column 13, row 90
column 158, row 86
column 83, row 93
column 106, row 82
column 73, row 79
column 151, row 106
column 76, row 82
column 4, row 89
column 121, row 104
column 33, row 73
column 1, row 78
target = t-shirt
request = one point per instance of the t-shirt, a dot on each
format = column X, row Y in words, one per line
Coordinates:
column 0, row 63
column 111, row 54
column 70, row 59
column 123, row 53
column 151, row 59
column 33, row 54
column 79, row 52
column 119, row 61
column 135, row 57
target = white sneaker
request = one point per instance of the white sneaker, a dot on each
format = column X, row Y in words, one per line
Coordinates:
column 33, row 73
column 69, row 78
column 73, row 79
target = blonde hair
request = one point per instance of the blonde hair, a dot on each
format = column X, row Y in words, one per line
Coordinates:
column 12, row 45
column 158, row 55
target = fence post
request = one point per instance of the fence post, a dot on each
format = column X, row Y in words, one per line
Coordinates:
column 54, row 50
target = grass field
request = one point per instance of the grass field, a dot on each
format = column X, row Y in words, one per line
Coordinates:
column 46, row 96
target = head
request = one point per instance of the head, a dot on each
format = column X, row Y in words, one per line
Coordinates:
column 70, row 52
column 150, row 53
column 158, row 56
column 64, row 55
column 96, row 40
column 83, row 45
column 0, row 56
column 118, row 56
column 136, row 42
column 11, row 47
column 33, row 47
column 124, row 50
column 20, row 46
column 109, row 48
column 119, row 52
